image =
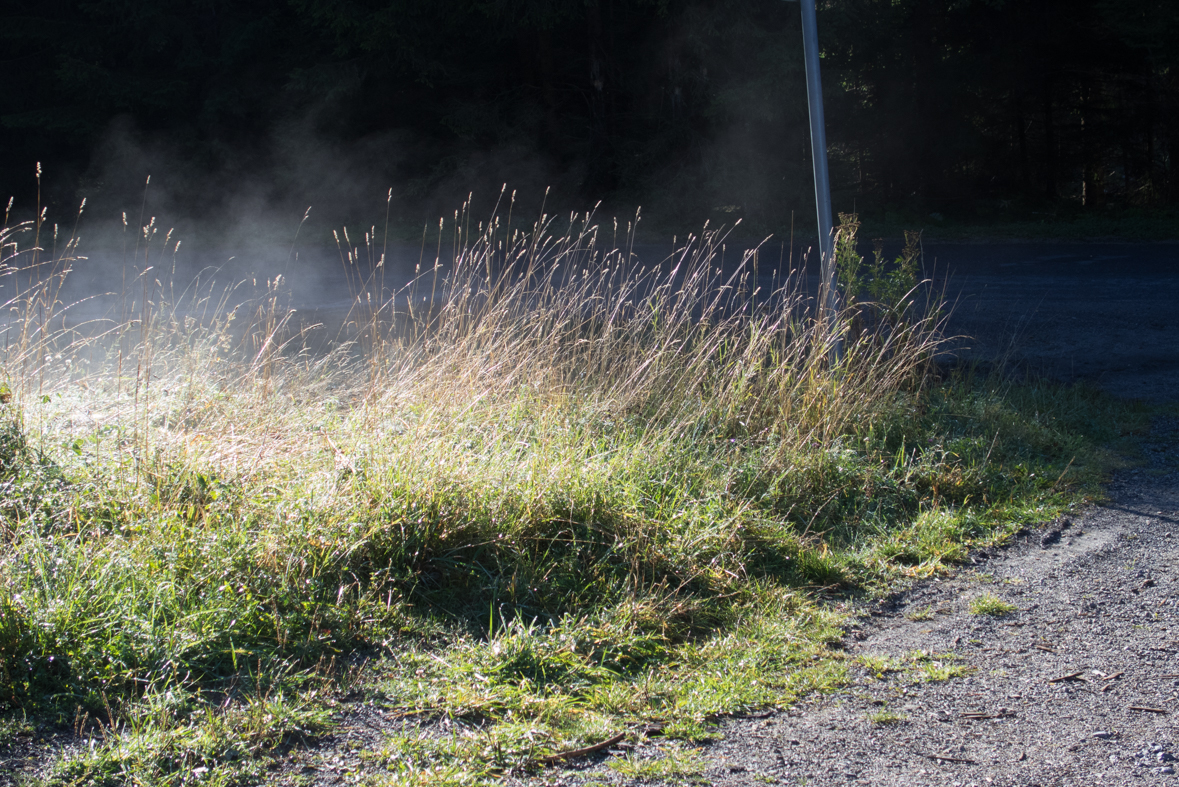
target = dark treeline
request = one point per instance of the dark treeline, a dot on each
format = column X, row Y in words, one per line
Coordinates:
column 690, row 108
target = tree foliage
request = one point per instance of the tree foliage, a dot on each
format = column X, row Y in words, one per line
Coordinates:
column 686, row 105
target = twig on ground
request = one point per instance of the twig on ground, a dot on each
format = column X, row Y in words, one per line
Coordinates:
column 1070, row 676
column 567, row 755
column 765, row 714
column 1148, row 710
column 982, row 715
column 944, row 758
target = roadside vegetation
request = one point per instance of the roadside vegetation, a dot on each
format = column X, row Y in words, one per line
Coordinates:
column 537, row 499
column 990, row 604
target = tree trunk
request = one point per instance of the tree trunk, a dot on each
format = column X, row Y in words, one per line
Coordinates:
column 1049, row 141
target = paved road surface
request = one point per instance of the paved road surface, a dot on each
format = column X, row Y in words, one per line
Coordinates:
column 1104, row 312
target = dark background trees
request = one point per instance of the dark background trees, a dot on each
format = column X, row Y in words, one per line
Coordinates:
column 971, row 108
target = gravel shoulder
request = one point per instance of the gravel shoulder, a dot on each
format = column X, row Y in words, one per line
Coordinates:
column 1079, row 685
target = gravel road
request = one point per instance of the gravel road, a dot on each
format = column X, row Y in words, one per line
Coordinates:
column 1079, row 685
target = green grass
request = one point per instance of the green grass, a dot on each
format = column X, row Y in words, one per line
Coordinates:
column 14, row 727
column 935, row 668
column 992, row 605
column 675, row 766
column 880, row 666
column 568, row 501
column 886, row 717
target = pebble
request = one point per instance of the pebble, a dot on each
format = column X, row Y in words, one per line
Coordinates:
column 1103, row 735
column 1165, row 756
column 1167, row 769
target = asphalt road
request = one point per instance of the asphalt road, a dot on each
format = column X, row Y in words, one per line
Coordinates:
column 1108, row 313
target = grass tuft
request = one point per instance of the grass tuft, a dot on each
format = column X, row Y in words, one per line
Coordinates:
column 990, row 604
column 677, row 766
column 886, row 717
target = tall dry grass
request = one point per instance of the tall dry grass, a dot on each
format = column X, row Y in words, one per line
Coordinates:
column 535, row 424
column 546, row 322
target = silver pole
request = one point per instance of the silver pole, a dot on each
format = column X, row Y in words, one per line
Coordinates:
column 814, row 95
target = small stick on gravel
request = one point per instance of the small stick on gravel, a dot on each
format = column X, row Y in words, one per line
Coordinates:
column 944, row 758
column 1117, row 675
column 1148, row 710
column 1168, row 675
column 980, row 716
column 1044, row 648
column 566, row 755
column 1070, row 676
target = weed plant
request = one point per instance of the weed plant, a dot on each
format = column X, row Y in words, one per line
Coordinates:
column 990, row 604
column 553, row 493
column 885, row 717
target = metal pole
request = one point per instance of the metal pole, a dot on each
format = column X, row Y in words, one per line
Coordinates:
column 814, row 95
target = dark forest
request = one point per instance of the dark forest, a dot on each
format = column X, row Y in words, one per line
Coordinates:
column 692, row 109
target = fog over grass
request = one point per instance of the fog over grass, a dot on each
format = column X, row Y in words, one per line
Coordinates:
column 552, row 492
